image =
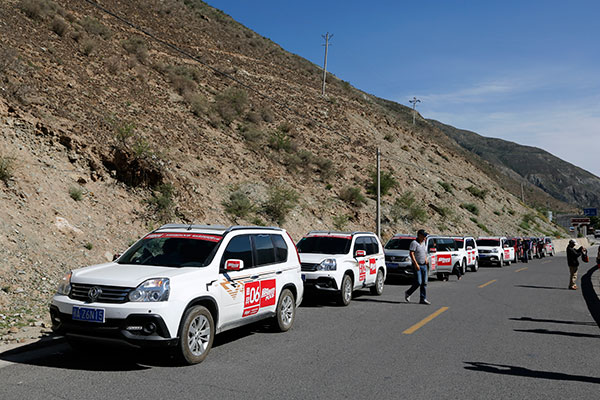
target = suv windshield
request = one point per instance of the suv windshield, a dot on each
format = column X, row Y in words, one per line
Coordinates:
column 172, row 250
column 488, row 242
column 443, row 244
column 324, row 244
column 399, row 243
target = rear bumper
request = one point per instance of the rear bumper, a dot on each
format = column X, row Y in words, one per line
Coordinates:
column 139, row 330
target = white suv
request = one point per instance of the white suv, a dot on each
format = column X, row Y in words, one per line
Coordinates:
column 495, row 250
column 342, row 262
column 467, row 253
column 179, row 286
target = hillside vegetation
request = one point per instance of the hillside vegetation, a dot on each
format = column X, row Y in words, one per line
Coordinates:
column 106, row 133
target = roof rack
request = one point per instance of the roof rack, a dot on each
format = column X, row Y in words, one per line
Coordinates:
column 340, row 233
column 191, row 226
column 238, row 227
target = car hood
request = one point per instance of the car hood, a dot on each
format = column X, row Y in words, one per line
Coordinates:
column 125, row 275
column 397, row 253
column 315, row 258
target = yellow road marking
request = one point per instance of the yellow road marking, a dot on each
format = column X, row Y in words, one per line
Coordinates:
column 489, row 283
column 521, row 269
column 418, row 325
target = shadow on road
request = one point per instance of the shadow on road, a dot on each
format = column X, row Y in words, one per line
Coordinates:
column 553, row 321
column 559, row 333
column 527, row 373
column 589, row 294
column 373, row 300
column 541, row 287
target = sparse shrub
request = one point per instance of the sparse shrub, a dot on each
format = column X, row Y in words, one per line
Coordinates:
column 88, row 46
column 340, row 221
column 253, row 117
column 8, row 58
column 417, row 213
column 252, row 134
column 479, row 193
column 88, row 246
column 404, row 147
column 141, row 148
column 292, row 161
column 353, row 196
column 511, row 212
column 389, row 137
column 123, row 131
column 136, row 46
column 480, row 225
column 278, row 140
column 267, row 114
column 325, row 166
column 257, row 221
column 386, row 183
column 306, row 156
column 286, row 128
column 445, row 212
column 76, row 193
column 329, row 186
column 34, row 9
column 231, row 104
column 162, row 201
column 95, row 27
column 446, row 186
column 238, row 204
column 6, row 168
column 197, row 103
column 472, row 208
column 113, row 64
column 497, row 212
column 59, row 26
column 280, row 202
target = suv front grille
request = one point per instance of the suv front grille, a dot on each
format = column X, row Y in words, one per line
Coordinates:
column 110, row 294
column 396, row 258
column 309, row 267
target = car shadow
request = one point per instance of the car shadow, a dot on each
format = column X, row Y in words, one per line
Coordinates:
column 399, row 280
column 553, row 321
column 589, row 294
column 374, row 300
column 541, row 287
column 527, row 373
column 559, row 333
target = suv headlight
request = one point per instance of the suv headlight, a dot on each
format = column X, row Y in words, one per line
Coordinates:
column 64, row 286
column 328, row 264
column 156, row 289
column 496, row 250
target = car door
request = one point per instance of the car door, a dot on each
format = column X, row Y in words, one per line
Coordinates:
column 362, row 263
column 266, row 274
column 232, row 285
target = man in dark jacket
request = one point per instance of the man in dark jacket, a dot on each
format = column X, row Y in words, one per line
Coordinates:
column 573, row 262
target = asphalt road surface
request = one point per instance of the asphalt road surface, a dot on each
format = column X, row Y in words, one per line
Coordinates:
column 507, row 333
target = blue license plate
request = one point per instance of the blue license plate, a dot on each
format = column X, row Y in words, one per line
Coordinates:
column 392, row 265
column 88, row 314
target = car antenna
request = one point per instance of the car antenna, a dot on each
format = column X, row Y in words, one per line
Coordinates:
column 189, row 227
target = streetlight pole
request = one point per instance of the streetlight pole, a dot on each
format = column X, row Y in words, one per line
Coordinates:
column 414, row 102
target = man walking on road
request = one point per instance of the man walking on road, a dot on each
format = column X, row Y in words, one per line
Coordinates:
column 418, row 256
column 572, row 256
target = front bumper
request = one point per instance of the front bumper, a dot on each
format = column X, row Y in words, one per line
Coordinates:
column 140, row 330
column 489, row 259
column 400, row 269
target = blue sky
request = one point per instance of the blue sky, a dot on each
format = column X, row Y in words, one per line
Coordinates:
column 525, row 71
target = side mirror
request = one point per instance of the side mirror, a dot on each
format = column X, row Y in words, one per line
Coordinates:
column 115, row 256
column 234, row 265
column 433, row 250
column 360, row 253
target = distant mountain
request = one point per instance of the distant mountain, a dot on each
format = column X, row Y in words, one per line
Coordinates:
column 560, row 179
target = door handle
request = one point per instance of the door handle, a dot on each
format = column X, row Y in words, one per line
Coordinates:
column 254, row 277
column 278, row 272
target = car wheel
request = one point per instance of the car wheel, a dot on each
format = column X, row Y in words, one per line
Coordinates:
column 345, row 294
column 286, row 311
column 464, row 267
column 475, row 266
column 197, row 335
column 440, row 276
column 377, row 290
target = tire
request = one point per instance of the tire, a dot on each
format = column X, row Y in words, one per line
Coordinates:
column 346, row 289
column 286, row 311
column 196, row 335
column 475, row 267
column 377, row 290
column 464, row 267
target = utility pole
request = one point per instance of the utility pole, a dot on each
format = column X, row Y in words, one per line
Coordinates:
column 522, row 193
column 327, row 37
column 378, row 217
column 414, row 102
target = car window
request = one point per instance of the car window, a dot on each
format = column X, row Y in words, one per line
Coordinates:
column 324, row 244
column 375, row 246
column 360, row 244
column 471, row 243
column 444, row 244
column 399, row 243
column 239, row 248
column 281, row 249
column 265, row 252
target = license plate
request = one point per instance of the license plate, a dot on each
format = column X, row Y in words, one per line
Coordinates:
column 303, row 277
column 392, row 265
column 88, row 314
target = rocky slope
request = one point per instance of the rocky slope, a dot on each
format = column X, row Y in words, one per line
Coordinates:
column 106, row 133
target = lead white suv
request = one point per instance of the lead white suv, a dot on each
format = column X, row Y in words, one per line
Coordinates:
column 179, row 286
column 342, row 262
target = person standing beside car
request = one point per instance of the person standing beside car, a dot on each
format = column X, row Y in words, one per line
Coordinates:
column 573, row 262
column 418, row 257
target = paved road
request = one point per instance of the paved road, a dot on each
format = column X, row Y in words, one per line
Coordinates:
column 521, row 336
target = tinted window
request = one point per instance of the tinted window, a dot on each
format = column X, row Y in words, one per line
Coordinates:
column 265, row 253
column 399, row 243
column 239, row 248
column 488, row 242
column 281, row 250
column 373, row 246
column 360, row 244
column 444, row 244
column 460, row 244
column 471, row 243
column 324, row 245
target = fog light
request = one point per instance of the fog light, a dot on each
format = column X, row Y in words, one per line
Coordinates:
column 134, row 328
column 150, row 328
